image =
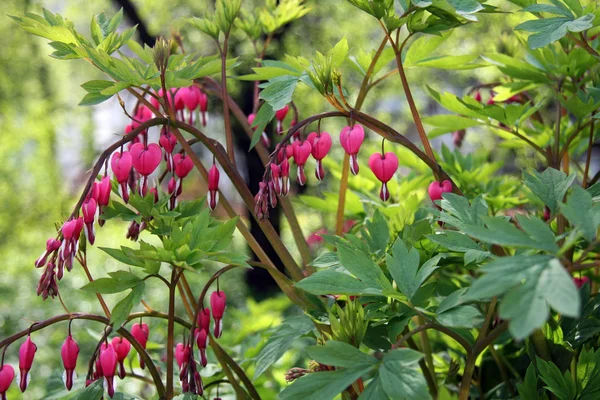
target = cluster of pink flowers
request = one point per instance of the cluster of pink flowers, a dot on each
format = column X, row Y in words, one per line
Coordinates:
column 189, row 376
column 131, row 169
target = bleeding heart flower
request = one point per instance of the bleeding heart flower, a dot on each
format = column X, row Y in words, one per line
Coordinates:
column 213, row 187
column 26, row 354
column 7, row 374
column 143, row 113
column 351, row 138
column 89, row 210
column 122, row 347
column 141, row 333
column 458, row 137
column 71, row 231
column 321, row 144
column 436, row 189
column 547, row 213
column 104, row 188
column 477, row 96
column 52, row 245
column 202, row 343
column 182, row 356
column 276, row 177
column 579, row 282
column 69, row 353
column 218, row 302
column 188, row 96
column 168, row 141
column 108, row 362
column 121, row 164
column 183, row 165
column 280, row 116
column 145, row 161
column 384, row 166
column 204, row 319
column 302, row 151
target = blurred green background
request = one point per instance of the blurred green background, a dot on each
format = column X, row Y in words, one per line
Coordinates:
column 48, row 143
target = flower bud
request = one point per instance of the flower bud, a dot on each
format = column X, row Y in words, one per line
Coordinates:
column 202, row 343
column 213, row 187
column 7, row 375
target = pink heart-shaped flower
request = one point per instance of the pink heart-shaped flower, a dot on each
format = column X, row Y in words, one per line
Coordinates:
column 183, row 165
column 301, row 151
column 121, row 164
column 351, row 138
column 436, row 189
column 145, row 159
column 321, row 144
column 384, row 166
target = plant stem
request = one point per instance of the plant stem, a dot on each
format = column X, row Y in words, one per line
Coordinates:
column 541, row 345
column 589, row 154
column 427, row 349
column 185, row 301
column 408, row 93
column 83, row 262
column 339, row 221
column 226, row 117
column 171, row 333
column 465, row 384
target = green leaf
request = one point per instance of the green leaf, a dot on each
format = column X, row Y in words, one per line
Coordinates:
column 378, row 233
column 400, row 376
column 528, row 388
column 333, row 282
column 339, row 52
column 109, row 285
column 123, row 308
column 120, row 255
column 562, row 386
column 581, row 212
column 94, row 391
column 340, row 354
column 362, row 266
column 461, row 317
column 549, row 186
column 323, row 385
column 91, row 99
column 278, row 91
column 264, row 115
column 404, row 268
column 96, row 86
column 280, row 341
column 374, row 391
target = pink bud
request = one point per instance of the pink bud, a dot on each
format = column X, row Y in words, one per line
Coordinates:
column 69, row 353
column 213, row 187
column 121, row 164
column 7, row 374
column 104, row 189
column 122, row 347
column 477, row 96
column 141, row 333
column 218, row 302
column 251, row 118
column 437, row 188
column 183, row 165
column 108, row 362
column 26, row 354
